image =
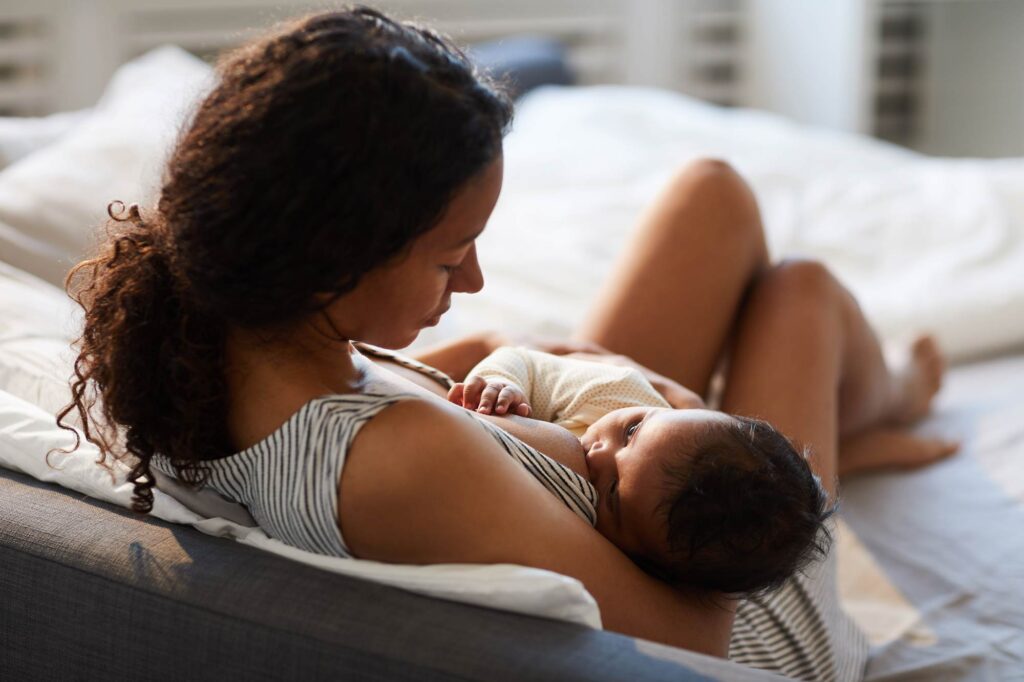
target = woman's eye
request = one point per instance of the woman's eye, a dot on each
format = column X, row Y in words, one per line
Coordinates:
column 449, row 268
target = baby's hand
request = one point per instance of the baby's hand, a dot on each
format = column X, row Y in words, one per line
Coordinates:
column 490, row 396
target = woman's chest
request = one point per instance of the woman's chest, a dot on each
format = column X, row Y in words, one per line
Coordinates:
column 379, row 375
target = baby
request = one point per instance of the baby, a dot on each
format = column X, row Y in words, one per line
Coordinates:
column 696, row 497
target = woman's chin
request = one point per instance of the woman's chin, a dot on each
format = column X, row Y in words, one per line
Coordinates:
column 392, row 341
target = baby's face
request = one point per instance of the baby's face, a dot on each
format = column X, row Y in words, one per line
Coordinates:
column 625, row 453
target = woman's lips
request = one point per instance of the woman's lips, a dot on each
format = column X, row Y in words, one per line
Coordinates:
column 437, row 316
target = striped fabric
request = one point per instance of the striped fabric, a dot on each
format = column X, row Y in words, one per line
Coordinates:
column 437, row 375
column 289, row 483
column 801, row 631
column 573, row 490
column 289, row 480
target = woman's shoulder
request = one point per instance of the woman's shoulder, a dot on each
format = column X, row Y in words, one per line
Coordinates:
column 309, row 418
column 426, row 484
column 414, row 455
column 403, row 425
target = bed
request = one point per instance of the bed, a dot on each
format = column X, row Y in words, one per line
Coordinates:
column 931, row 563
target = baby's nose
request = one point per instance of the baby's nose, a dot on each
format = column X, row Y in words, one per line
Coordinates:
column 595, row 457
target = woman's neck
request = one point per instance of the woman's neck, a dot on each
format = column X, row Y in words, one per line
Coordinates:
column 270, row 379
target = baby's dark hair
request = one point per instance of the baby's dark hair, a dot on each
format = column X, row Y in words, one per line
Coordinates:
column 744, row 511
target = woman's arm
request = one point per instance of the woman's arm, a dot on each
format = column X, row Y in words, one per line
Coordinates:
column 424, row 484
column 456, row 357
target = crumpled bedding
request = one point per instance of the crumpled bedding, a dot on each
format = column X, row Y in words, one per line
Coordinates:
column 932, row 561
column 924, row 243
column 27, row 432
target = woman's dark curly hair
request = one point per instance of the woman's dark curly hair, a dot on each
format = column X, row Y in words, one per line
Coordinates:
column 743, row 511
column 325, row 148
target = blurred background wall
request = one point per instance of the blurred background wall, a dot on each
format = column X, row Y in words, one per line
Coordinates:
column 941, row 76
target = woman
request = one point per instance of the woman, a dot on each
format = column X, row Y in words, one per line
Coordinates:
column 329, row 190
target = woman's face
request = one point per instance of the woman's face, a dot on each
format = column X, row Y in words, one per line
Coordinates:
column 394, row 302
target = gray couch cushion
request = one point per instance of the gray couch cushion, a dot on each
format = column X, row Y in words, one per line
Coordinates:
column 91, row 591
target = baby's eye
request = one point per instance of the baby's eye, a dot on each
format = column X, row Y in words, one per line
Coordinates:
column 631, row 429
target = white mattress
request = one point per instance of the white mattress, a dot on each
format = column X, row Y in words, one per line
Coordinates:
column 924, row 243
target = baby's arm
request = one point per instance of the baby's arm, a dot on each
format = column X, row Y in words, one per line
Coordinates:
column 677, row 395
column 500, row 384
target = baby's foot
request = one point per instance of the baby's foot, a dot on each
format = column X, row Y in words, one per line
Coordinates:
column 916, row 381
column 891, row 448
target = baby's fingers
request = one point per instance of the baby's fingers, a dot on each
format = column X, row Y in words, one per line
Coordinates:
column 455, row 393
column 488, row 398
column 510, row 396
column 471, row 393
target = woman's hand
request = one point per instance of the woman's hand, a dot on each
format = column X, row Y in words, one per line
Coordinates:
column 490, row 396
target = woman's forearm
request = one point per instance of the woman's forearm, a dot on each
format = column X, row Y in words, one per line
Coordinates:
column 457, row 356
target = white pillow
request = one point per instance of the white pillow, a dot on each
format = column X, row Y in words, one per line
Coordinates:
column 35, row 362
column 20, row 136
column 52, row 201
column 36, row 326
column 27, row 434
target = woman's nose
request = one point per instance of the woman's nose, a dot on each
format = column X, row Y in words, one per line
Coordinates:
column 469, row 278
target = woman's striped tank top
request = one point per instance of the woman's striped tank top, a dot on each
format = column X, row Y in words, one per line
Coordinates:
column 289, row 482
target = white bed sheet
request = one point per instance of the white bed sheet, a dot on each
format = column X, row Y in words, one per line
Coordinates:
column 941, row 592
column 924, row 243
column 934, row 559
